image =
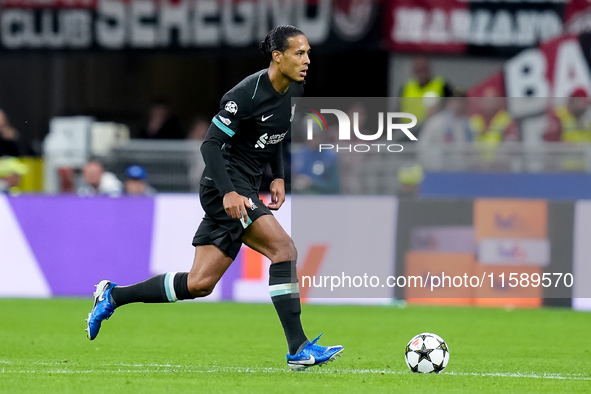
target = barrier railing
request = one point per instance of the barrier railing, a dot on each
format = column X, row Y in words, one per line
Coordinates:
column 176, row 166
column 173, row 166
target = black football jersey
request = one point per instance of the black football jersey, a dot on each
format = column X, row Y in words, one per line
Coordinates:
column 255, row 118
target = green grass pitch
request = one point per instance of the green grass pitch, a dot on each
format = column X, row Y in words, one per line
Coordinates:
column 226, row 347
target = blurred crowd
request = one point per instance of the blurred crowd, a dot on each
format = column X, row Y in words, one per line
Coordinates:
column 9, row 137
column 99, row 182
column 163, row 124
column 445, row 115
column 11, row 169
column 95, row 180
column 92, row 179
column 11, row 172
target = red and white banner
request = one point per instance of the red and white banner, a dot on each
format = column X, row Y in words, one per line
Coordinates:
column 427, row 25
column 555, row 69
column 480, row 27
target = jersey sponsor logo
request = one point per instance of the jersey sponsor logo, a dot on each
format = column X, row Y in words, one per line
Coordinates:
column 263, row 118
column 269, row 140
column 262, row 141
column 225, row 121
column 293, row 108
column 231, row 107
column 276, row 138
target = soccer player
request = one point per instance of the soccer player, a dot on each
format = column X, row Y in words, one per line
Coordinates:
column 246, row 134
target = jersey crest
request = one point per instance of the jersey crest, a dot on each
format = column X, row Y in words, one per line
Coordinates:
column 231, row 107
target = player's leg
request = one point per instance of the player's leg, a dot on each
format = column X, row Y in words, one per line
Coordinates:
column 216, row 246
column 266, row 236
column 209, row 265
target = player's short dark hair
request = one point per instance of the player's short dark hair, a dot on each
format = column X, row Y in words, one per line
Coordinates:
column 276, row 39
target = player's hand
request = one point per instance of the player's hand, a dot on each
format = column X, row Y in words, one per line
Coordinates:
column 277, row 194
column 235, row 205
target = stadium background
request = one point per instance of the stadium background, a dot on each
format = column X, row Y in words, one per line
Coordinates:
column 79, row 64
column 77, row 78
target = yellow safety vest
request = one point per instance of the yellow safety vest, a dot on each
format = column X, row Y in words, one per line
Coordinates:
column 571, row 130
column 412, row 175
column 412, row 89
column 496, row 129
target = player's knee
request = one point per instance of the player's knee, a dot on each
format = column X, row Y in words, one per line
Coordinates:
column 200, row 287
column 284, row 250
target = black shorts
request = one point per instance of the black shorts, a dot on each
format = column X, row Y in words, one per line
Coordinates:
column 218, row 228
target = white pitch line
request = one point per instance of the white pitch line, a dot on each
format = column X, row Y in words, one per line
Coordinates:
column 519, row 375
column 167, row 368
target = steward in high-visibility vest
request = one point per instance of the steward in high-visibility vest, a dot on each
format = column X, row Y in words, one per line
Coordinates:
column 568, row 123
column 416, row 106
column 11, row 172
column 573, row 130
column 491, row 132
column 422, row 86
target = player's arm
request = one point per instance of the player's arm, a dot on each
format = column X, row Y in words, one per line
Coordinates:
column 234, row 108
column 277, row 187
column 211, row 149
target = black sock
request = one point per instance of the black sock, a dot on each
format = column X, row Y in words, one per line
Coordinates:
column 285, row 294
column 169, row 287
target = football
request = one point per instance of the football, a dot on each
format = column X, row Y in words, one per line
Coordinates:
column 426, row 353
